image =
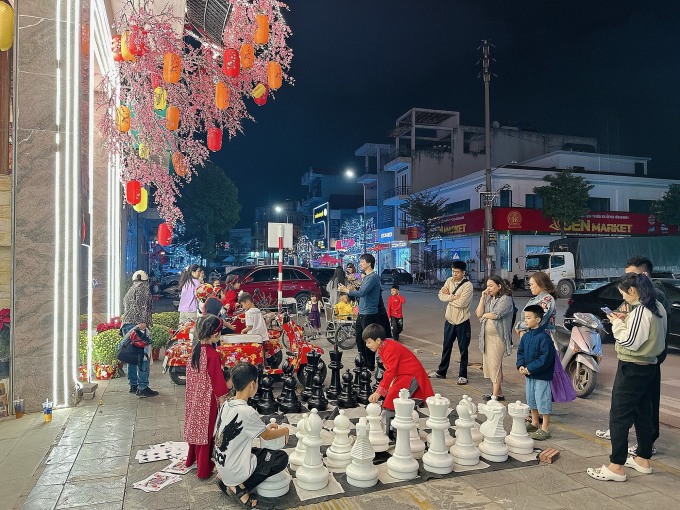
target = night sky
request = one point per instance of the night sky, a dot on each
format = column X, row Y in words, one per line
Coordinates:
column 607, row 69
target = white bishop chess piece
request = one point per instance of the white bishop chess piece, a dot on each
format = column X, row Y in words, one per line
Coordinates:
column 361, row 472
column 339, row 453
column 464, row 451
column 417, row 444
column 312, row 475
column 437, row 459
column 401, row 465
column 376, row 435
column 279, row 484
column 493, row 447
column 519, row 441
column 296, row 458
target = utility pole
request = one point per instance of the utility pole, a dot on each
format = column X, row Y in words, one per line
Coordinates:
column 487, row 250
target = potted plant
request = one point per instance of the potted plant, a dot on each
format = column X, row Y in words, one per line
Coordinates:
column 4, row 343
column 160, row 334
column 168, row 319
column 105, row 347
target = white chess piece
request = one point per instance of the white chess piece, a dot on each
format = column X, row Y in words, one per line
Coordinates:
column 376, row 435
column 519, row 441
column 448, row 438
column 493, row 447
column 417, row 444
column 477, row 436
column 279, row 484
column 296, row 458
column 339, row 453
column 361, row 472
column 402, row 465
column 464, row 451
column 437, row 459
column 312, row 475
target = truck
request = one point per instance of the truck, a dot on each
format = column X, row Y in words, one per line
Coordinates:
column 589, row 262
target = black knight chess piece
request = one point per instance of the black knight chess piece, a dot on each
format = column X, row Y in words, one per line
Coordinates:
column 359, row 364
column 310, row 372
column 364, row 387
column 318, row 400
column 346, row 399
column 335, row 366
column 379, row 373
column 289, row 402
column 267, row 404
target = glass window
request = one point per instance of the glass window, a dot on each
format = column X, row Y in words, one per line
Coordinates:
column 263, row 275
column 557, row 261
column 610, row 291
column 533, row 201
column 505, row 198
column 640, row 206
column 458, row 207
column 299, row 275
column 598, row 204
column 537, row 262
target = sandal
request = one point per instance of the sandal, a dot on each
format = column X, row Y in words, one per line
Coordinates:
column 603, row 434
column 248, row 503
column 630, row 462
column 540, row 435
column 531, row 427
column 605, row 474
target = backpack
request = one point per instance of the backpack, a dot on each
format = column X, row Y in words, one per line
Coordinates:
column 131, row 347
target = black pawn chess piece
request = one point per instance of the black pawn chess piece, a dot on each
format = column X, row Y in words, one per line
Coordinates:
column 379, row 373
column 318, row 400
column 255, row 399
column 364, row 387
column 359, row 364
column 346, row 399
column 289, row 402
column 310, row 372
column 267, row 404
column 336, row 366
column 287, row 369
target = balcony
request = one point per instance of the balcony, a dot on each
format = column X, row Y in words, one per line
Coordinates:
column 398, row 159
column 371, row 206
column 396, row 196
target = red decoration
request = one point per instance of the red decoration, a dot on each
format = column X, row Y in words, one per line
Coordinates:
column 115, row 48
column 133, row 192
column 179, row 164
column 135, row 41
column 156, row 80
column 231, row 63
column 164, row 234
column 214, row 139
column 260, row 93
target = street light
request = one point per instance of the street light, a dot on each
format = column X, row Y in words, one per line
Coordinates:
column 349, row 173
column 280, row 210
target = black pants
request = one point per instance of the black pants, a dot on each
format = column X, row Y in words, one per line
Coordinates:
column 362, row 322
column 632, row 405
column 656, row 401
column 389, row 413
column 269, row 462
column 462, row 333
column 397, row 326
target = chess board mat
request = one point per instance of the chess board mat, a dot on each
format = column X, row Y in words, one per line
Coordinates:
column 289, row 420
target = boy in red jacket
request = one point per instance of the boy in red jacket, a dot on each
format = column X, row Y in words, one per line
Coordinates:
column 402, row 370
column 394, row 312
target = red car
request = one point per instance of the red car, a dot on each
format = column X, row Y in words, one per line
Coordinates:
column 298, row 283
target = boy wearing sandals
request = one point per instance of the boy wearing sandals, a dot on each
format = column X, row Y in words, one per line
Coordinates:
column 536, row 362
column 240, row 467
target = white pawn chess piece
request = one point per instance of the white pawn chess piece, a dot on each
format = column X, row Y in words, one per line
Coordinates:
column 519, row 441
column 493, row 447
column 401, row 465
column 312, row 475
column 437, row 459
column 279, row 484
column 296, row 458
column 464, row 451
column 339, row 453
column 417, row 444
column 376, row 435
column 477, row 436
column 361, row 472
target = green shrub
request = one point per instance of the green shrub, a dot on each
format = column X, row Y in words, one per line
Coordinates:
column 104, row 347
column 160, row 335
column 168, row 319
column 82, row 348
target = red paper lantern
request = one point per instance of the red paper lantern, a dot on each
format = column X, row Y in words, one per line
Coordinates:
column 172, row 118
column 178, row 164
column 274, row 75
column 135, row 41
column 156, row 80
column 172, row 67
column 133, row 192
column 214, row 139
column 164, row 234
column 115, row 48
column 231, row 63
column 260, row 93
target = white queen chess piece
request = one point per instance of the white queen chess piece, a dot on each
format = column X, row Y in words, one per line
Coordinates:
column 279, row 484
column 339, row 454
column 417, row 444
column 361, row 472
column 402, row 465
column 493, row 447
column 376, row 435
column 298, row 456
column 519, row 441
column 464, row 451
column 312, row 475
column 437, row 459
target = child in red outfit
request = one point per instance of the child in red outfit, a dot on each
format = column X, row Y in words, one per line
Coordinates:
column 402, row 370
column 394, row 312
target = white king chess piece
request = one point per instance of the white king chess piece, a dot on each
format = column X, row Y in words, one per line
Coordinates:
column 296, row 458
column 279, row 484
column 464, row 451
column 376, row 435
column 361, row 472
column 339, row 453
column 493, row 447
column 417, row 444
column 312, row 475
column 437, row 459
column 519, row 441
column 402, row 465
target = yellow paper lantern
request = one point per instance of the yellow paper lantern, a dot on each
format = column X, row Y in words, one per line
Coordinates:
column 124, row 50
column 143, row 203
column 123, row 119
column 144, row 150
column 6, row 26
column 160, row 98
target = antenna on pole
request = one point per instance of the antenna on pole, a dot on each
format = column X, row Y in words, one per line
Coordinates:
column 487, row 249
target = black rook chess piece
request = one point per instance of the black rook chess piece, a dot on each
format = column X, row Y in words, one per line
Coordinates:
column 318, row 400
column 267, row 403
column 359, row 364
column 335, row 366
column 364, row 387
column 346, row 398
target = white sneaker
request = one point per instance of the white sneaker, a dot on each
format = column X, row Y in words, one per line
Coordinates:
column 633, row 450
column 462, row 380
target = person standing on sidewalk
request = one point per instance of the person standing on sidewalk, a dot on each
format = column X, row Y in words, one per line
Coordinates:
column 395, row 312
column 542, row 289
column 457, row 294
column 188, row 283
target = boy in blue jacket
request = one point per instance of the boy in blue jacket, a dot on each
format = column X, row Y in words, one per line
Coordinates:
column 536, row 361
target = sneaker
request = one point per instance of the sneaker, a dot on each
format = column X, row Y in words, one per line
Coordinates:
column 462, row 380
column 486, row 397
column 633, row 450
column 531, row 427
column 146, row 392
column 133, row 389
column 436, row 375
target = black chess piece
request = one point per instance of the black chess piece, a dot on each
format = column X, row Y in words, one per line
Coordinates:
column 359, row 364
column 318, row 400
column 310, row 372
column 364, row 387
column 267, row 404
column 379, row 373
column 255, row 399
column 346, row 399
column 287, row 369
column 336, row 366
column 289, row 402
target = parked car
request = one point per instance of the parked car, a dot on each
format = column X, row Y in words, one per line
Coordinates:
column 396, row 276
column 169, row 279
column 323, row 276
column 298, row 282
column 591, row 301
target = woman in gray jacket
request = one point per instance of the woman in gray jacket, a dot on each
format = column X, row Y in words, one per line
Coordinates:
column 495, row 310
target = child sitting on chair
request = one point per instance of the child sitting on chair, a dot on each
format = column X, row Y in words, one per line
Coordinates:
column 255, row 324
column 344, row 309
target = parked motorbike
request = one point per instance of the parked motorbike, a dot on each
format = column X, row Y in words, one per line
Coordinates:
column 517, row 283
column 581, row 350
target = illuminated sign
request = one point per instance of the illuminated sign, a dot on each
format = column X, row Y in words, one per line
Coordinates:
column 320, row 213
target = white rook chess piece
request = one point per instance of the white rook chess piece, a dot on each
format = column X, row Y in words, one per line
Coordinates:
column 417, row 444
column 279, row 484
column 464, row 451
column 402, row 465
column 437, row 459
column 492, row 447
column 361, row 472
column 312, row 475
column 474, row 431
column 298, row 456
column 339, row 453
column 376, row 435
column 519, row 441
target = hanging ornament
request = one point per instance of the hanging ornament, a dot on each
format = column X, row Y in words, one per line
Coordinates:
column 123, row 119
column 144, row 150
column 262, row 30
column 164, row 234
column 6, row 26
column 156, row 80
column 143, row 202
column 160, row 98
column 172, row 118
column 214, row 139
column 260, row 93
column 133, row 192
column 231, row 63
column 172, row 67
column 115, row 48
column 124, row 48
column 135, row 41
column 178, row 164
column 274, row 75
column 247, row 54
column 221, row 95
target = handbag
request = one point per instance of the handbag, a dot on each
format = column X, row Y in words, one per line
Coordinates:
column 131, row 347
column 561, row 385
